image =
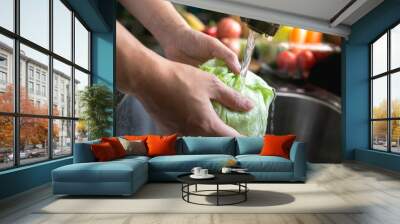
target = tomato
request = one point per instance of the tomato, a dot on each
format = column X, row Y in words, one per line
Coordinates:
column 298, row 36
column 228, row 28
column 233, row 44
column 313, row 37
column 305, row 60
column 286, row 61
column 211, row 30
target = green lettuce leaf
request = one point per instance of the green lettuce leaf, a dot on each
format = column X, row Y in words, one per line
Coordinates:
column 253, row 122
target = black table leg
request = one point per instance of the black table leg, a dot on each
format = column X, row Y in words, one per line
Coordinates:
column 188, row 190
column 245, row 193
column 217, row 194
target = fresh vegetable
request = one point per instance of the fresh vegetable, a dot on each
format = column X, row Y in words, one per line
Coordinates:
column 283, row 34
column 298, row 36
column 228, row 28
column 286, row 61
column 253, row 122
column 233, row 44
column 313, row 37
column 193, row 21
column 305, row 60
column 211, row 30
column 269, row 50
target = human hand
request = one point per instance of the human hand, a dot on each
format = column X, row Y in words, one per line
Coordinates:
column 181, row 103
column 193, row 47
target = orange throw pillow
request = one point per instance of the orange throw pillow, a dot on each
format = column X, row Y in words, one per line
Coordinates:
column 135, row 137
column 161, row 145
column 116, row 145
column 275, row 145
column 103, row 152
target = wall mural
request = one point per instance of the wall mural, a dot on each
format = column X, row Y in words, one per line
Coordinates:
column 296, row 74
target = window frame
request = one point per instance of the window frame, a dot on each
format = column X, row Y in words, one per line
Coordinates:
column 16, row 115
column 388, row 74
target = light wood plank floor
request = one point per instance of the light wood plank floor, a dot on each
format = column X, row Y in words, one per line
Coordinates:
column 378, row 188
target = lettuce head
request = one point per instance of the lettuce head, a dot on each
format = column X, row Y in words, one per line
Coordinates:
column 253, row 122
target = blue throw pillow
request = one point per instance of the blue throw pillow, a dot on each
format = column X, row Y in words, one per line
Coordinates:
column 249, row 145
column 207, row 145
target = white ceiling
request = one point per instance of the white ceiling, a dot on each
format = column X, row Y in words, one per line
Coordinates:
column 321, row 9
column 321, row 15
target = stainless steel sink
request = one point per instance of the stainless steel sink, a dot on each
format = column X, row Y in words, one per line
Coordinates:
column 315, row 119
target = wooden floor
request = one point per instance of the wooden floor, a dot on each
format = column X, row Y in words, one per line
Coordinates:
column 379, row 189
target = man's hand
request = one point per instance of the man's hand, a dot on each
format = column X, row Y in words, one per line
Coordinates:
column 179, row 41
column 193, row 47
column 181, row 103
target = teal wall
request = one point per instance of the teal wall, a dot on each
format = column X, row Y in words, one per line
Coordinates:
column 356, row 85
column 24, row 178
column 99, row 16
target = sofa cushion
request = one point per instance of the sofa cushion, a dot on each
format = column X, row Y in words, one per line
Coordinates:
column 277, row 145
column 134, row 147
column 116, row 145
column 83, row 152
column 103, row 152
column 207, row 145
column 257, row 163
column 112, row 171
column 185, row 163
column 249, row 145
column 161, row 145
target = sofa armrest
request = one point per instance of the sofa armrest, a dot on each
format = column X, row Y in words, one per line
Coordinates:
column 298, row 156
column 83, row 152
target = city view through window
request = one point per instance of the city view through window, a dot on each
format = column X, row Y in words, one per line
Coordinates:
column 43, row 68
column 385, row 91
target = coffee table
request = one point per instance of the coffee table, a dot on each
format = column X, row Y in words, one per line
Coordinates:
column 238, row 179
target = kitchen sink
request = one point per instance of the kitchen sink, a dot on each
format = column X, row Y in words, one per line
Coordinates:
column 314, row 119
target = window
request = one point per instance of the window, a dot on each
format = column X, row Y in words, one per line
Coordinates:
column 62, row 30
column 41, row 123
column 385, row 91
column 38, row 74
column 3, row 72
column 7, row 71
column 62, row 74
column 3, row 61
column 38, row 89
column 7, row 14
column 3, row 78
column 44, row 91
column 81, row 45
column 34, row 21
column 30, row 88
column 30, row 72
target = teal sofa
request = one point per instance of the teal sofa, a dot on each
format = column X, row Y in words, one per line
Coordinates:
column 125, row 176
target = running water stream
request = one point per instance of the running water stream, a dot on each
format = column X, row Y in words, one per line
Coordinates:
column 248, row 52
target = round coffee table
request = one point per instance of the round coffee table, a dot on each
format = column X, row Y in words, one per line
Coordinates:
column 238, row 179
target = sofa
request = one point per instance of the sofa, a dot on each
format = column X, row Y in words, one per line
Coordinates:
column 126, row 175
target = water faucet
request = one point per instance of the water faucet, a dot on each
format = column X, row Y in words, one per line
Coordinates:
column 261, row 27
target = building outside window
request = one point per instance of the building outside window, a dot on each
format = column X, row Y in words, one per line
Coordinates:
column 30, row 87
column 37, row 75
column 3, row 72
column 385, row 91
column 38, row 89
column 30, row 72
column 56, row 128
column 3, row 78
column 43, row 90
